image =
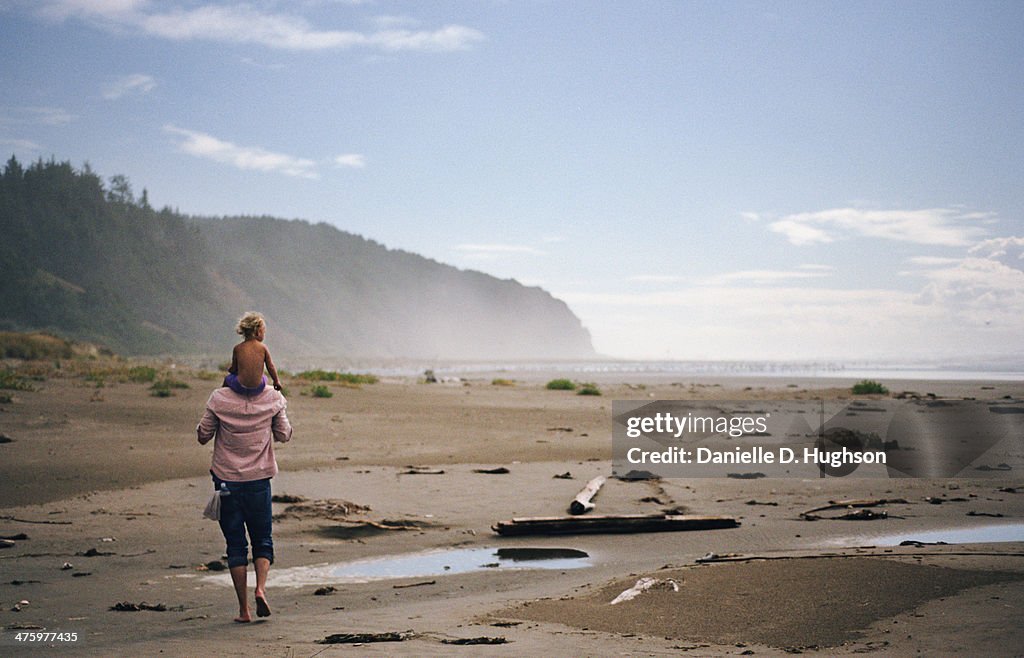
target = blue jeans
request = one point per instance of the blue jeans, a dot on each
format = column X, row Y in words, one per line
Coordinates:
column 247, row 506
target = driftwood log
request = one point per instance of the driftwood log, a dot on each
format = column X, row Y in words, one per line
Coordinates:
column 583, row 501
column 626, row 523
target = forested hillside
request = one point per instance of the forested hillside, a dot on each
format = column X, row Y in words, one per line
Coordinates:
column 91, row 261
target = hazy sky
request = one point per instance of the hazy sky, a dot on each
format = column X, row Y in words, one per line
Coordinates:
column 696, row 180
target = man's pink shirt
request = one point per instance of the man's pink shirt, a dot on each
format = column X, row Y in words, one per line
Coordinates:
column 245, row 428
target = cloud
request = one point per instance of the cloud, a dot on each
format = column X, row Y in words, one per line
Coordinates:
column 758, row 277
column 655, row 278
column 21, row 145
column 136, row 83
column 244, row 24
column 202, row 145
column 933, row 226
column 492, row 251
column 352, row 160
column 46, row 116
column 984, row 288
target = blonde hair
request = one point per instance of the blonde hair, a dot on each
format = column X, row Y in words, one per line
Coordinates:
column 250, row 323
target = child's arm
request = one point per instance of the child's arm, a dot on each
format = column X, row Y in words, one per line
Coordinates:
column 271, row 369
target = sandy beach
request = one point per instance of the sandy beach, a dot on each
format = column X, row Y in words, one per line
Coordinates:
column 107, row 486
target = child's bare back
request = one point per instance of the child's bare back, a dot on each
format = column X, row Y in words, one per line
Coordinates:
column 251, row 355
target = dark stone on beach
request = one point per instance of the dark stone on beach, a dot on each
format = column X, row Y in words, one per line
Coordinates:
column 632, row 476
column 81, row 574
column 501, row 470
column 21, row 536
column 992, row 514
column 563, row 476
column 324, row 591
column 5, row 439
column 216, row 565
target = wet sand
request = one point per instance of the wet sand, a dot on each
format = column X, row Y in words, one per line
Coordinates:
column 115, row 488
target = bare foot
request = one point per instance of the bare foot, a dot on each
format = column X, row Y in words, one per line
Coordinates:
column 244, row 617
column 262, row 609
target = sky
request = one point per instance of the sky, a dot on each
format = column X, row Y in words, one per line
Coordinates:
column 696, row 180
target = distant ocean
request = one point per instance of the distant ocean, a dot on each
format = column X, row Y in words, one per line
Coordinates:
column 623, row 371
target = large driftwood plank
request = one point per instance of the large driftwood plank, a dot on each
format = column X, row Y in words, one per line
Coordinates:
column 627, row 523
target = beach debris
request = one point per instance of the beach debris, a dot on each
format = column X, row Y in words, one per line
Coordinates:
column 81, row 574
column 287, row 498
column 860, row 515
column 127, row 606
column 560, row 429
column 746, row 476
column 21, row 536
column 464, row 641
column 92, row 552
column 366, row 638
column 597, row 524
column 6, row 543
column 324, row 591
column 419, row 584
column 999, row 467
column 758, row 502
column 920, row 544
column 810, row 515
column 6, row 439
column 1005, row 489
column 563, row 476
column 501, row 470
column 22, row 582
column 583, row 502
column 24, row 627
column 652, row 499
column 938, row 500
column 421, row 470
column 214, row 565
column 321, row 509
column 67, row 566
column 992, row 514
column 643, row 585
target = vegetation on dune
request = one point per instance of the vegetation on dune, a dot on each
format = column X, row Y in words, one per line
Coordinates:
column 321, row 391
column 14, row 381
column 332, row 376
column 561, row 385
column 33, row 346
column 588, row 389
column 503, row 382
column 868, row 386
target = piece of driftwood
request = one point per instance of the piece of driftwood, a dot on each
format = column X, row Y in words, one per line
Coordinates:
column 810, row 515
column 582, row 503
column 465, row 641
column 626, row 523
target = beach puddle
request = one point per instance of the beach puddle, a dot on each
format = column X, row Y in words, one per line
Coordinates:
column 430, row 564
column 986, row 534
